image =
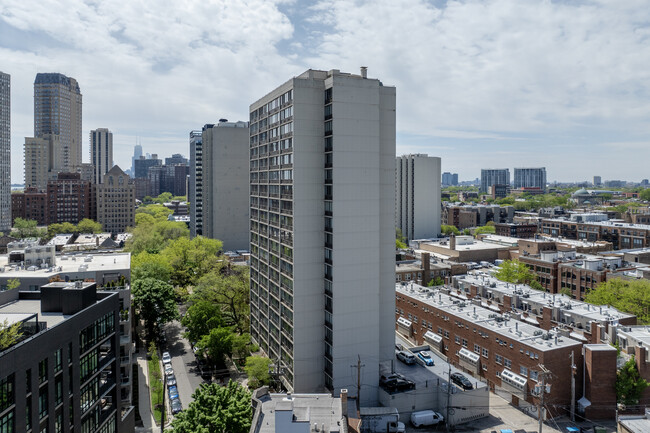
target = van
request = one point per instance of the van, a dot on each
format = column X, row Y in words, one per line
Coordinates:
column 425, row 418
column 406, row 357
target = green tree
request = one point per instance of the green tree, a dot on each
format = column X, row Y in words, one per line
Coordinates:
column 447, row 230
column 437, row 281
column 629, row 383
column 630, row 296
column 9, row 334
column 191, row 259
column 257, row 369
column 201, row 318
column 241, row 345
column 13, row 283
column 164, row 197
column 400, row 241
column 217, row 343
column 484, row 230
column 216, row 409
column 145, row 265
column 645, row 194
column 59, row 228
column 89, row 226
column 513, row 271
column 231, row 293
column 26, row 229
column 155, row 301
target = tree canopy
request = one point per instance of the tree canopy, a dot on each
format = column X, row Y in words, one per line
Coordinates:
column 513, row 271
column 155, row 301
column 630, row 296
column 26, row 229
column 231, row 293
column 216, row 409
column 629, row 383
column 257, row 369
column 200, row 318
column 217, row 343
column 448, row 230
column 9, row 334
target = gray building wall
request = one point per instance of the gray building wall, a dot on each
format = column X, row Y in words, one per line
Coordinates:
column 530, row 178
column 347, row 229
column 101, row 153
column 195, row 184
column 225, row 183
column 5, row 153
column 494, row 176
column 417, row 196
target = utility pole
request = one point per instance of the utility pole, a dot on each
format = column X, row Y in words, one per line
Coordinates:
column 358, row 366
column 573, row 389
column 544, row 374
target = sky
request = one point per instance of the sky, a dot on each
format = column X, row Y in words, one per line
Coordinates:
column 481, row 84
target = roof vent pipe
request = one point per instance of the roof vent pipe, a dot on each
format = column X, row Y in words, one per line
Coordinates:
column 364, row 72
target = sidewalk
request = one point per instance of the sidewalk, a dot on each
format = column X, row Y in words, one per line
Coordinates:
column 144, row 399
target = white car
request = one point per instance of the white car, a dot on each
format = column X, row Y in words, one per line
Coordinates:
column 166, row 358
column 168, row 370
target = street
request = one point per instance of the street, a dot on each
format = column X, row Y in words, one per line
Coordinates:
column 188, row 377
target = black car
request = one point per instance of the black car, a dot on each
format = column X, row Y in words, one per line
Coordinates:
column 461, row 381
column 176, row 406
column 399, row 347
column 397, row 384
column 171, row 380
column 386, row 377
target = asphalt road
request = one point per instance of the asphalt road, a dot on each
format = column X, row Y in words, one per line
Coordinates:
column 188, row 378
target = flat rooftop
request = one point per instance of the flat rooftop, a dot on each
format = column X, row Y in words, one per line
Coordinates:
column 487, row 318
column 474, row 246
column 68, row 263
column 314, row 408
column 23, row 308
column 612, row 224
column 568, row 305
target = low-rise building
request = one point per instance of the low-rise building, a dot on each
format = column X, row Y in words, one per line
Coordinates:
column 30, row 205
column 465, row 249
column 467, row 216
column 621, row 235
column 515, row 230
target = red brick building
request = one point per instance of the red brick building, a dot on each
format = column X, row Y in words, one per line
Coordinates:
column 69, row 199
column 515, row 230
column 31, row 205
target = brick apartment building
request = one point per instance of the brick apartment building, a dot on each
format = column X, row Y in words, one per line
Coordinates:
column 504, row 351
column 30, row 205
column 424, row 270
column 69, row 199
column 515, row 230
column 621, row 235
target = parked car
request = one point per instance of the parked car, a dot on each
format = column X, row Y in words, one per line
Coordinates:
column 168, row 370
column 166, row 358
column 171, row 380
column 462, row 381
column 425, row 418
column 386, row 377
column 406, row 357
column 398, row 346
column 176, row 406
column 397, row 384
column 426, row 358
column 173, row 392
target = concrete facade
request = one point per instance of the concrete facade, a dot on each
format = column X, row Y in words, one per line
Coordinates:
column 530, row 178
column 101, row 152
column 323, row 223
column 494, row 176
column 116, row 201
column 5, row 153
column 225, row 183
column 417, row 196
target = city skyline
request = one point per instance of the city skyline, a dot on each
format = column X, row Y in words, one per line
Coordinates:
column 499, row 82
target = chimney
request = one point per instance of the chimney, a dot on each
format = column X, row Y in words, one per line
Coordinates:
column 344, row 402
column 364, row 72
column 452, row 241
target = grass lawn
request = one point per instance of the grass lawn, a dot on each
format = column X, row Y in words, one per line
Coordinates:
column 155, row 389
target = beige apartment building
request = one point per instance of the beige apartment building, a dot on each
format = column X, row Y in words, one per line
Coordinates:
column 116, row 201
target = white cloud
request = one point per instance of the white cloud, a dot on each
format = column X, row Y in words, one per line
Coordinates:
column 506, row 74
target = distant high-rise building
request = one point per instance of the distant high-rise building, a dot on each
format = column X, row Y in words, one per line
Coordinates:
column 38, row 160
column 417, row 196
column 175, row 159
column 494, row 176
column 449, row 179
column 454, row 179
column 143, row 164
column 5, row 152
column 225, row 183
column 322, row 229
column 598, row 181
column 137, row 153
column 87, row 171
column 116, row 201
column 530, row 178
column 101, row 152
column 195, row 192
column 57, row 112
